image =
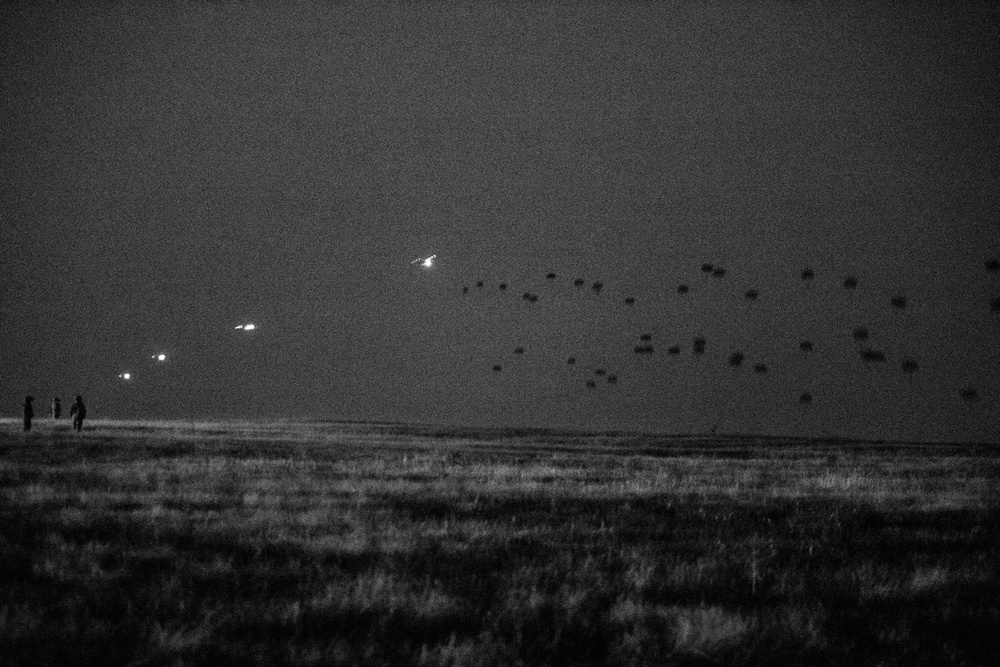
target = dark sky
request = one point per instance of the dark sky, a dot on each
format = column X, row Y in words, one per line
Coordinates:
column 169, row 171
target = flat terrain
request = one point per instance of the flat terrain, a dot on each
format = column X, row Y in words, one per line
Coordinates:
column 151, row 543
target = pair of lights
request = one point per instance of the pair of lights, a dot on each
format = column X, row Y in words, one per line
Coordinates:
column 127, row 376
column 245, row 327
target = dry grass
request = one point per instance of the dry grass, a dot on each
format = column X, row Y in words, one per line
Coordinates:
column 164, row 543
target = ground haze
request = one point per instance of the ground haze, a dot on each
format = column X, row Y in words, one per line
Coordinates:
column 152, row 543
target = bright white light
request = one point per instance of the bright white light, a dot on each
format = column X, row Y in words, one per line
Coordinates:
column 426, row 262
column 126, row 376
column 238, row 326
column 160, row 357
column 249, row 327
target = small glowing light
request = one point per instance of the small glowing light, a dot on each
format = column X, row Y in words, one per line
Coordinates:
column 160, row 357
column 125, row 376
column 238, row 326
column 245, row 327
column 426, row 262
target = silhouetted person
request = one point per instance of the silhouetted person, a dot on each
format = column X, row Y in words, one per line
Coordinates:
column 28, row 412
column 56, row 408
column 78, row 412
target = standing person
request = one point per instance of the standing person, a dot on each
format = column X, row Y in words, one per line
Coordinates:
column 28, row 412
column 78, row 412
column 56, row 408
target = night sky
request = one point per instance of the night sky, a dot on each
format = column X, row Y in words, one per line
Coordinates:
column 169, row 171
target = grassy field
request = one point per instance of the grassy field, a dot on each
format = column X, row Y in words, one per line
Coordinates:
column 150, row 543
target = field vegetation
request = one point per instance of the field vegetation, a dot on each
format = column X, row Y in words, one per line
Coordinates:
column 153, row 543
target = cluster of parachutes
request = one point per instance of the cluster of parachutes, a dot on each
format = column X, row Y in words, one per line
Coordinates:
column 737, row 358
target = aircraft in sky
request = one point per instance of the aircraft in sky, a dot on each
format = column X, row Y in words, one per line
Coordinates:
column 426, row 262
